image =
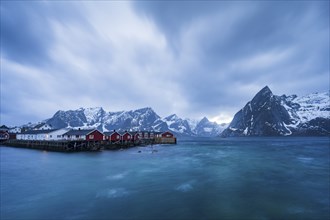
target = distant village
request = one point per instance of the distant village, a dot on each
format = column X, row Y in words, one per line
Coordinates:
column 45, row 132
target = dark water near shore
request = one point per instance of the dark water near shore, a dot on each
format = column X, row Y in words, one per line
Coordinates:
column 243, row 178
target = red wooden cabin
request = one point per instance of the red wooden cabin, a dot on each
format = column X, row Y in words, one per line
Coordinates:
column 167, row 134
column 126, row 136
column 114, row 136
column 95, row 135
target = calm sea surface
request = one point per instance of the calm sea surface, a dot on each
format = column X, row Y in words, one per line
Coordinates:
column 242, row 178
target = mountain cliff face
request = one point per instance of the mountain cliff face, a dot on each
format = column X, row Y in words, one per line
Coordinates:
column 140, row 119
column 270, row 115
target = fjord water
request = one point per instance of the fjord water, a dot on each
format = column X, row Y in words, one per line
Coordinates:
column 241, row 178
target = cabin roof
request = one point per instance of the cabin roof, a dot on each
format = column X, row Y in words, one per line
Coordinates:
column 38, row 131
column 108, row 133
column 124, row 132
column 4, row 127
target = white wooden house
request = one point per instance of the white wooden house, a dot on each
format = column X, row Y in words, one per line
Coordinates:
column 42, row 135
column 15, row 130
column 57, row 134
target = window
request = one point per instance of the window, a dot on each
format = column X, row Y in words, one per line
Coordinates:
column 117, row 136
column 91, row 136
column 129, row 137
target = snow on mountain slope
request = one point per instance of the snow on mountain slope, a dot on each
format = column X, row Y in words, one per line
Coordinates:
column 271, row 115
column 206, row 128
column 313, row 105
column 178, row 125
column 134, row 120
column 192, row 123
column 93, row 115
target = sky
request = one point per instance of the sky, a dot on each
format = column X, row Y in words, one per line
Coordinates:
column 193, row 58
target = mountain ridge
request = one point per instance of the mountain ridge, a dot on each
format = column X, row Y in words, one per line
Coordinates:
column 265, row 114
column 139, row 119
column 271, row 115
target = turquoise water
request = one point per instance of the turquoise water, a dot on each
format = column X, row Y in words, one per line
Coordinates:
column 242, row 178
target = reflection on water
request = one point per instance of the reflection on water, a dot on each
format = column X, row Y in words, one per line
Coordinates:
column 242, row 178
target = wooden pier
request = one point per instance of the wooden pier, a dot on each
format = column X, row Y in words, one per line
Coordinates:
column 82, row 145
column 62, row 146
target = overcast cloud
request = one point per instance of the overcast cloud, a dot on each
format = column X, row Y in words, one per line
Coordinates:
column 191, row 58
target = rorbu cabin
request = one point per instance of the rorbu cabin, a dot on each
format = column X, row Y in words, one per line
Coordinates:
column 39, row 135
column 167, row 138
column 126, row 136
column 136, row 136
column 84, row 134
column 167, row 134
column 112, row 136
column 4, row 135
column 42, row 135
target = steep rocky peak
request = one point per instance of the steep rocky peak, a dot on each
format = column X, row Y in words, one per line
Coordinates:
column 262, row 96
column 204, row 120
column 172, row 117
column 147, row 110
column 264, row 92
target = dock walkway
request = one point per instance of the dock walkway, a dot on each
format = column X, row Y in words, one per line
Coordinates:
column 81, row 145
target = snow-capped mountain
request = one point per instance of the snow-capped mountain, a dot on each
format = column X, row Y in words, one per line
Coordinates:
column 135, row 120
column 271, row 115
column 206, row 128
column 178, row 125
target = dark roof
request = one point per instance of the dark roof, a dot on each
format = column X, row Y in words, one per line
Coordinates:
column 110, row 132
column 4, row 127
column 124, row 132
column 79, row 132
column 38, row 131
column 40, row 125
column 147, row 131
column 167, row 132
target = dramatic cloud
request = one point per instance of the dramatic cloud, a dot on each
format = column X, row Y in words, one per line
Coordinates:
column 189, row 58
